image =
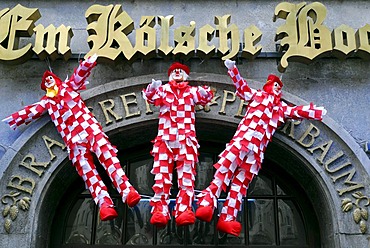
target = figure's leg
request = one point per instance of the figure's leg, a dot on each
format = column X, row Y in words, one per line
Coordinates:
column 186, row 178
column 227, row 221
column 83, row 162
column 226, row 166
column 107, row 156
column 162, row 171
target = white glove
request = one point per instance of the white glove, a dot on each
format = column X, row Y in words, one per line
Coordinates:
column 155, row 84
column 92, row 59
column 202, row 91
column 324, row 111
column 229, row 64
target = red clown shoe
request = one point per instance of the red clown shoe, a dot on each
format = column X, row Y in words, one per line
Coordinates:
column 204, row 213
column 158, row 219
column 229, row 227
column 133, row 198
column 107, row 212
column 185, row 218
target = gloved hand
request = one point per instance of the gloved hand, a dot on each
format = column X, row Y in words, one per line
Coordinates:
column 155, row 84
column 92, row 59
column 202, row 91
column 324, row 111
column 229, row 64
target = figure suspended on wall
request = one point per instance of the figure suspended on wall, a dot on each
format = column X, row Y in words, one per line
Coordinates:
column 82, row 134
column 243, row 156
column 175, row 141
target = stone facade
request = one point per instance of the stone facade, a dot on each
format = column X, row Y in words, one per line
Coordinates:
column 332, row 152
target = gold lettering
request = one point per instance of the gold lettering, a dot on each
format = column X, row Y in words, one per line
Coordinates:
column 290, row 124
column 184, row 38
column 240, row 109
column 252, row 35
column 15, row 23
column 53, row 36
column 29, row 162
column 20, row 183
column 206, row 34
column 165, row 22
column 332, row 159
column 226, row 33
column 126, row 103
column 363, row 42
column 146, row 37
column 225, row 100
column 344, row 41
column 324, row 148
column 50, row 143
column 310, row 136
column 303, row 37
column 109, row 110
column 338, row 168
column 108, row 29
column 354, row 185
column 148, row 109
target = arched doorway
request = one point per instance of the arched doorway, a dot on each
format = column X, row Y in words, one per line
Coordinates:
column 276, row 212
column 292, row 161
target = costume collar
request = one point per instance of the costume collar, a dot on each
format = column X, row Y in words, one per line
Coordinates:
column 180, row 85
column 52, row 92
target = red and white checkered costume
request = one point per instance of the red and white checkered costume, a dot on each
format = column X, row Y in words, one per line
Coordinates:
column 80, row 131
column 243, row 156
column 175, row 141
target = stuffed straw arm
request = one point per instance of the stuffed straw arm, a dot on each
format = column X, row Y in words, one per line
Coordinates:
column 25, row 115
column 82, row 72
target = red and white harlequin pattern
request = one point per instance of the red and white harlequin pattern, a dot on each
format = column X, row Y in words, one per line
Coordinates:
column 243, row 156
column 175, row 141
column 80, row 131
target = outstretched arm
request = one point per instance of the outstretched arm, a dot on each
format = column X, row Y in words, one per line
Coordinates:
column 203, row 95
column 304, row 111
column 82, row 72
column 242, row 88
column 151, row 93
column 26, row 115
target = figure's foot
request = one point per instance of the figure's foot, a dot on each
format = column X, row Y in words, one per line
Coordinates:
column 204, row 213
column 107, row 212
column 133, row 198
column 158, row 219
column 185, row 218
column 229, row 227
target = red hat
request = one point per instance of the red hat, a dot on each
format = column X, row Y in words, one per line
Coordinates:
column 273, row 78
column 46, row 74
column 177, row 65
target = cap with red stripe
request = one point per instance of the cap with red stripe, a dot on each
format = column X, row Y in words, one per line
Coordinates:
column 177, row 65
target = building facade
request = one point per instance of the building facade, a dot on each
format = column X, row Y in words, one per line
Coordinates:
column 313, row 189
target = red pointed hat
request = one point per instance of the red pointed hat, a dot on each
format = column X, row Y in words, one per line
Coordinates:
column 274, row 78
column 46, row 74
column 177, row 65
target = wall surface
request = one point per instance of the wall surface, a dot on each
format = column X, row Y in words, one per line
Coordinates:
column 342, row 86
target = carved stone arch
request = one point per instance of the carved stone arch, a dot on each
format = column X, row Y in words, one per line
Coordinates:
column 58, row 174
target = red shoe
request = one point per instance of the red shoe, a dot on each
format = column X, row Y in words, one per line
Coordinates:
column 204, row 213
column 133, row 198
column 107, row 212
column 185, row 218
column 229, row 227
column 158, row 219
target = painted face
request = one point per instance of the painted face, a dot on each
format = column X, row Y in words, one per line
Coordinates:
column 178, row 75
column 276, row 88
column 49, row 81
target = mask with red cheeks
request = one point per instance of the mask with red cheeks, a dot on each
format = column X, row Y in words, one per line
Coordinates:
column 273, row 85
column 47, row 78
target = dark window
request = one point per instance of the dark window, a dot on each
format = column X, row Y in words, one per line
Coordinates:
column 275, row 213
